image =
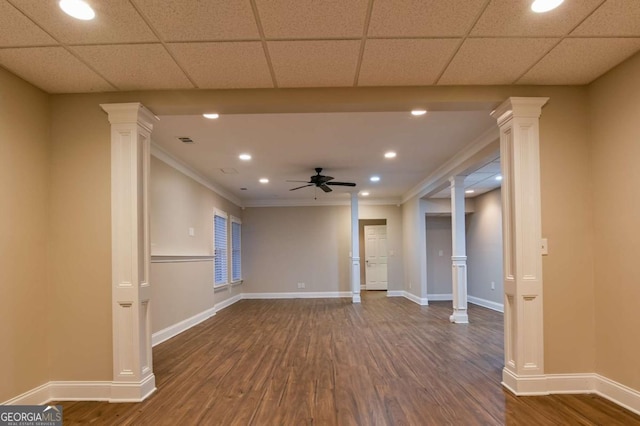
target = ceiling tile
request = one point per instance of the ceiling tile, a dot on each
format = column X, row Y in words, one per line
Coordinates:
column 226, row 65
column 116, row 22
column 515, row 18
column 423, row 18
column 18, row 30
column 494, row 61
column 314, row 63
column 476, row 177
column 197, row 20
column 613, row 18
column 580, row 60
column 135, row 67
column 57, row 71
column 404, row 62
column 312, row 18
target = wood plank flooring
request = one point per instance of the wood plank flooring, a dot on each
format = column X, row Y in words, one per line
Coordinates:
column 386, row 361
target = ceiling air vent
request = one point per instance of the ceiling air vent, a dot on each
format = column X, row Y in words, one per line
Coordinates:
column 185, row 139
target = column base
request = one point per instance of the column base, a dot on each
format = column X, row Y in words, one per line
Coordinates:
column 356, row 298
column 459, row 317
column 133, row 391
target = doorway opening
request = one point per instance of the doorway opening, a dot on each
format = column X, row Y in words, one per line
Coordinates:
column 374, row 252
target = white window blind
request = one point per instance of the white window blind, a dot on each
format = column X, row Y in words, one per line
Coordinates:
column 236, row 260
column 220, row 268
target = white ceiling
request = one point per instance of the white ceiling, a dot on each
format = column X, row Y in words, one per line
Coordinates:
column 482, row 180
column 349, row 146
column 222, row 44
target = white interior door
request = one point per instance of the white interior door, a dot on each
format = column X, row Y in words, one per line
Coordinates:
column 375, row 253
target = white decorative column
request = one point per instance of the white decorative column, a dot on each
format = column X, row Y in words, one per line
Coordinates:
column 131, row 126
column 519, row 155
column 459, row 252
column 355, row 249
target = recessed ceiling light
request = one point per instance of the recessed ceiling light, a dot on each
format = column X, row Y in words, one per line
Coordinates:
column 498, row 177
column 77, row 9
column 244, row 157
column 364, row 194
column 418, row 112
column 211, row 116
column 469, row 191
column 390, row 154
column 374, row 178
column 541, row 6
column 264, row 180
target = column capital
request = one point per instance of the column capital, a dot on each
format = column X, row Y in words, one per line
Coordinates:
column 130, row 113
column 518, row 107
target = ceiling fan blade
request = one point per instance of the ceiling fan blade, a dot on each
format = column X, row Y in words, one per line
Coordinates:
column 324, row 179
column 341, row 183
column 303, row 186
column 325, row 188
column 302, row 181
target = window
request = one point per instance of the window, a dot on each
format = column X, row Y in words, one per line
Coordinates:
column 220, row 268
column 236, row 256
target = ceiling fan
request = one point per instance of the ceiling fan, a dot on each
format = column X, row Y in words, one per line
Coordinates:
column 321, row 182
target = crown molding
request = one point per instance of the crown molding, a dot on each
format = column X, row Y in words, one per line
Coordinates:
column 320, row 203
column 172, row 161
column 456, row 165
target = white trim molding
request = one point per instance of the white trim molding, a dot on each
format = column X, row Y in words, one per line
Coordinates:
column 177, row 328
column 131, row 126
column 298, row 295
column 585, row 383
column 448, row 297
column 494, row 306
column 518, row 120
column 395, row 293
column 422, row 301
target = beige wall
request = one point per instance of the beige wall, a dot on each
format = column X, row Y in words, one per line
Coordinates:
column 80, row 241
column 24, row 175
column 181, row 290
column 395, row 266
column 438, row 232
column 615, row 140
column 569, row 345
column 484, row 248
column 284, row 246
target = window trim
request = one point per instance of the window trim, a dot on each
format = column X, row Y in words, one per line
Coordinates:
column 222, row 214
column 239, row 222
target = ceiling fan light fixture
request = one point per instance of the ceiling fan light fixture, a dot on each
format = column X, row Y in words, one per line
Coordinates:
column 77, row 9
column 390, row 154
column 211, row 116
column 244, row 157
column 542, row 6
column 418, row 112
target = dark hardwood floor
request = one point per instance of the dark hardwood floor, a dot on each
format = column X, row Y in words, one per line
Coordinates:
column 386, row 361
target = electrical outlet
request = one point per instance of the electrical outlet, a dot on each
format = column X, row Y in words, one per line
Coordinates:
column 493, row 285
column 300, row 285
column 192, row 232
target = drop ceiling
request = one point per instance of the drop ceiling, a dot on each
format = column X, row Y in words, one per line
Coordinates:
column 222, row 44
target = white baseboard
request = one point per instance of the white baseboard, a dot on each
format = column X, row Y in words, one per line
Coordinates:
column 440, row 297
column 36, row 396
column 548, row 384
column 227, row 302
column 175, row 329
column 395, row 293
column 86, row 391
column 298, row 295
column 422, row 301
column 486, row 303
